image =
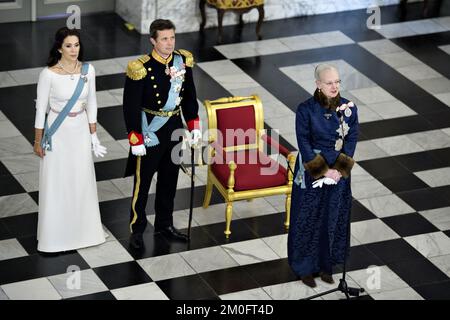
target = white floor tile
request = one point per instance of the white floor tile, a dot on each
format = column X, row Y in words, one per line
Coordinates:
column 252, row 251
column 146, row 291
column 166, row 267
column 36, row 289
column 11, row 248
column 386, row 206
column 430, row 244
column 373, row 230
column 208, row 259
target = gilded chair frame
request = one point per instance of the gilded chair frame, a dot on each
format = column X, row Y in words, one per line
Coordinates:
column 228, row 193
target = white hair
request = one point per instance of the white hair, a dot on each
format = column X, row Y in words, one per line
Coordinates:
column 321, row 68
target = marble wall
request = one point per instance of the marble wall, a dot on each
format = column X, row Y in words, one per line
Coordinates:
column 186, row 13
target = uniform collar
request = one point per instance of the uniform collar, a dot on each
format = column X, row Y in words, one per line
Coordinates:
column 160, row 59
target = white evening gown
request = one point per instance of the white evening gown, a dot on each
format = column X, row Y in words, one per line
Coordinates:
column 69, row 215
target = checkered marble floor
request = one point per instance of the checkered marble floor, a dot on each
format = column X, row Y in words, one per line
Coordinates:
column 400, row 240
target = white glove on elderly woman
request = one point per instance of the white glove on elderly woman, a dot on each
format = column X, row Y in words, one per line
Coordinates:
column 320, row 182
column 98, row 149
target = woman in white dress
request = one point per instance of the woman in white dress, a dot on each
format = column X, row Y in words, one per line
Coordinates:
column 69, row 215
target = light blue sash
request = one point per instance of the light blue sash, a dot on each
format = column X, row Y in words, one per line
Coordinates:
column 300, row 177
column 148, row 131
column 46, row 142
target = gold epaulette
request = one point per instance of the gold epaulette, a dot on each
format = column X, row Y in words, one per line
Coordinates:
column 189, row 57
column 136, row 69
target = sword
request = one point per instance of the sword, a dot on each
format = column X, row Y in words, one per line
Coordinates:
column 191, row 205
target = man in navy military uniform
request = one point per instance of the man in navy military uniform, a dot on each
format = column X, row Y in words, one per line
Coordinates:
column 158, row 87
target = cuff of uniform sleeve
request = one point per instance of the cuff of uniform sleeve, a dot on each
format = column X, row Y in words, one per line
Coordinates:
column 135, row 138
column 344, row 164
column 316, row 167
column 193, row 124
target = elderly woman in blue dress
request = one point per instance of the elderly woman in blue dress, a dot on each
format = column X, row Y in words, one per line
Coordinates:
column 327, row 132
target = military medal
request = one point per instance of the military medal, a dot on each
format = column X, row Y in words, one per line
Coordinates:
column 167, row 71
column 348, row 112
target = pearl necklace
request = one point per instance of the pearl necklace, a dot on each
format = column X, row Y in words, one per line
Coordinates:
column 71, row 73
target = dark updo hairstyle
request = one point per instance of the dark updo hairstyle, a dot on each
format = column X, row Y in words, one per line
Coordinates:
column 60, row 35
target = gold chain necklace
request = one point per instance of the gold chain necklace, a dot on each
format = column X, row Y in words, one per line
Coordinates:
column 71, row 73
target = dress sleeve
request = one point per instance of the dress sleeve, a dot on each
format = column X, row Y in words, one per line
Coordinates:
column 91, row 107
column 314, row 163
column 43, row 95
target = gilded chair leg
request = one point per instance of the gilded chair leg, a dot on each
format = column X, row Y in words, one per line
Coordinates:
column 288, row 211
column 228, row 215
column 208, row 193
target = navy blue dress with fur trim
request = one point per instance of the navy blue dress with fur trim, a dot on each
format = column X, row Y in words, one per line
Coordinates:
column 319, row 216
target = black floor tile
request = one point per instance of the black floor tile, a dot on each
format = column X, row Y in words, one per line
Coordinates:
column 393, row 127
column 229, row 280
column 443, row 193
column 419, row 161
column 29, row 243
column 35, row 196
column 187, row 288
column 111, row 81
column 154, row 245
column 112, row 169
column 22, row 225
column 4, row 232
column 393, row 250
column 267, row 225
column 423, row 199
column 200, row 238
column 112, row 120
column 9, row 185
column 240, row 231
column 18, row 269
column 122, row 275
column 417, row 272
column 38, row 265
column 47, row 264
column 361, row 258
column 384, row 168
column 434, row 291
column 105, row 295
column 119, row 228
column 439, row 120
column 360, row 213
column 408, row 182
column 271, row 272
column 409, row 224
column 442, row 156
column 115, row 210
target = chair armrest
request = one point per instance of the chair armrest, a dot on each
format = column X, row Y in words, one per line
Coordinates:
column 271, row 142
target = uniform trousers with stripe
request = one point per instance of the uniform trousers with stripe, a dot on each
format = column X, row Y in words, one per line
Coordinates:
column 158, row 159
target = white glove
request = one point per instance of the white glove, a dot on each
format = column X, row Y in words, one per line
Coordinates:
column 138, row 150
column 320, row 182
column 196, row 138
column 98, row 149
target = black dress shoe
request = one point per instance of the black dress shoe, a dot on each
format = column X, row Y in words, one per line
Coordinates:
column 136, row 241
column 328, row 278
column 171, row 233
column 309, row 281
